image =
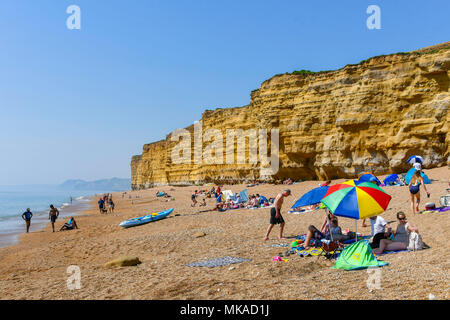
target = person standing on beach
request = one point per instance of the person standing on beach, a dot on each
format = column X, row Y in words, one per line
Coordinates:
column 53, row 215
column 275, row 214
column 101, row 205
column 414, row 190
column 27, row 215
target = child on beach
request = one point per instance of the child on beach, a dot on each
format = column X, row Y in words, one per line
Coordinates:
column 53, row 215
column 110, row 205
column 275, row 214
column 203, row 204
column 27, row 215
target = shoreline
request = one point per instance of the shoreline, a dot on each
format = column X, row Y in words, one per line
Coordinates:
column 36, row 267
column 40, row 221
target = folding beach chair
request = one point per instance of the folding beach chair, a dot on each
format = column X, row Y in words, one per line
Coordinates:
column 330, row 249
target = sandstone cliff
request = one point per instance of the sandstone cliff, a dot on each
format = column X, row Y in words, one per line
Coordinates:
column 366, row 117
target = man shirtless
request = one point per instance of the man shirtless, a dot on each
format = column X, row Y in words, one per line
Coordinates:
column 275, row 214
column 53, row 215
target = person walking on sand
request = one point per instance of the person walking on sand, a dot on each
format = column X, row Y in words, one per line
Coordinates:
column 53, row 215
column 27, row 215
column 193, row 198
column 414, row 190
column 275, row 214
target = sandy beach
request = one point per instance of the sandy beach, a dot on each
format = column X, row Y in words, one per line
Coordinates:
column 36, row 268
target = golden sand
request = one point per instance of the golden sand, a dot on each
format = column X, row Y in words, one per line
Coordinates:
column 36, row 268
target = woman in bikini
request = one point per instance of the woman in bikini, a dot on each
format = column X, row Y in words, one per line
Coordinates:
column 414, row 190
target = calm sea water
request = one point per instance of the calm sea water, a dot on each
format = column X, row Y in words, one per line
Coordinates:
column 15, row 200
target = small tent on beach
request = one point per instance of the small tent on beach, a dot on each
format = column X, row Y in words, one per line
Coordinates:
column 390, row 179
column 358, row 256
column 410, row 173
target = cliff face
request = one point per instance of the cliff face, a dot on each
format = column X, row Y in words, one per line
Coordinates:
column 366, row 117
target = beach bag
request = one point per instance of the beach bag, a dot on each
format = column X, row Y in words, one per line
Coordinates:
column 430, row 205
column 415, row 241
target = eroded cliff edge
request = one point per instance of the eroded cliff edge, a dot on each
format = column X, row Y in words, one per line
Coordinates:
column 366, row 117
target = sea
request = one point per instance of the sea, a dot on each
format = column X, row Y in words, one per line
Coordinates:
column 14, row 200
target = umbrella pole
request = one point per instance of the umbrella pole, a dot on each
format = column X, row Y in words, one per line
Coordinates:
column 356, row 230
column 329, row 225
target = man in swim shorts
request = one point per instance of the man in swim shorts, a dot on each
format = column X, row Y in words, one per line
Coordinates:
column 27, row 215
column 275, row 214
column 53, row 215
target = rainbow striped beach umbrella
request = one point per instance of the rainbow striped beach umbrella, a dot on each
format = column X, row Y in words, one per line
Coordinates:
column 356, row 200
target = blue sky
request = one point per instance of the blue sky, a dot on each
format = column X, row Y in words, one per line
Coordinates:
column 80, row 103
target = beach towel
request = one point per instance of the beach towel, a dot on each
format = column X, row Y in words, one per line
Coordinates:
column 309, row 252
column 279, row 245
column 303, row 211
column 262, row 207
column 391, row 252
column 218, row 262
column 228, row 194
column 349, row 241
column 243, row 195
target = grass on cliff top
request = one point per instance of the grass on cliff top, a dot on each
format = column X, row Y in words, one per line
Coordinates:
column 305, row 72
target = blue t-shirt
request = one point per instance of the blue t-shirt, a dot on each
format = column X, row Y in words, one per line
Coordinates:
column 27, row 215
column 101, row 203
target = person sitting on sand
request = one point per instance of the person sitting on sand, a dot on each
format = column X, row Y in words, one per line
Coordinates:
column 330, row 223
column 203, row 204
column 69, row 225
column 253, row 203
column 379, row 232
column 53, row 215
column 414, row 190
column 27, row 215
column 275, row 214
column 401, row 236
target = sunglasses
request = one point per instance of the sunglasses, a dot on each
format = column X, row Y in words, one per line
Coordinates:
column 404, row 218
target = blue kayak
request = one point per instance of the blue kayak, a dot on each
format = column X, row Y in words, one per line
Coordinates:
column 145, row 219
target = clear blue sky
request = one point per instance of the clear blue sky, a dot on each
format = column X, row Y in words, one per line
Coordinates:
column 80, row 103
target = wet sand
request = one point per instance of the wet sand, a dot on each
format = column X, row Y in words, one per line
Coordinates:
column 36, row 268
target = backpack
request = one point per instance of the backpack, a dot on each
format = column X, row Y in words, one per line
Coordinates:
column 415, row 241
